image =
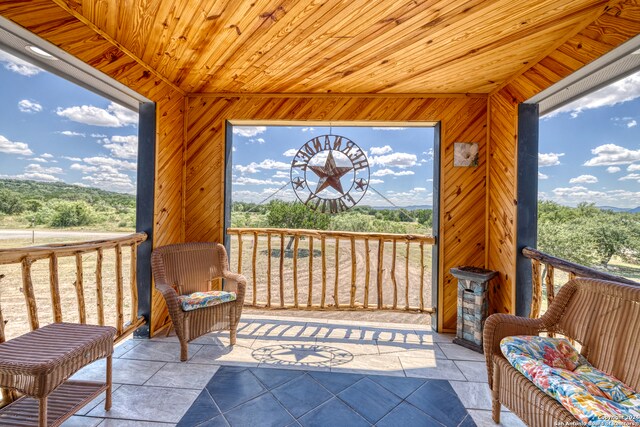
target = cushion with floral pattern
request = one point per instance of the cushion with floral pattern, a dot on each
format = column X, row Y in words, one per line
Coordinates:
column 205, row 299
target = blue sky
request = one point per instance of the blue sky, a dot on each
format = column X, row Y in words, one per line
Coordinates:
column 400, row 162
column 52, row 130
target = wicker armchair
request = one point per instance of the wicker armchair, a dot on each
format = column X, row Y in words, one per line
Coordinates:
column 191, row 267
column 604, row 317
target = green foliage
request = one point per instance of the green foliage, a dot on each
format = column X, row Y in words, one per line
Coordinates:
column 588, row 235
column 63, row 205
column 10, row 202
column 72, row 214
column 295, row 215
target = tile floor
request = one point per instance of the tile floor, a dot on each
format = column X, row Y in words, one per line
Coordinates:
column 153, row 388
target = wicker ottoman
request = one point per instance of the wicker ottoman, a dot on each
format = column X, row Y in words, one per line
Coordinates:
column 38, row 365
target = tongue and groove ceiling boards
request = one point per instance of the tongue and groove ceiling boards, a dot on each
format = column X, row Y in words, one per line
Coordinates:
column 339, row 46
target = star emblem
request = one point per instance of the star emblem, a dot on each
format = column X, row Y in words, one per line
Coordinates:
column 360, row 184
column 330, row 174
column 298, row 182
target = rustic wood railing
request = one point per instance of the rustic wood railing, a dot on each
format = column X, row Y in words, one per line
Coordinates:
column 551, row 264
column 352, row 245
column 53, row 252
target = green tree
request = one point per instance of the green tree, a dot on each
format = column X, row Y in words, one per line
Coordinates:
column 10, row 202
column 295, row 215
column 72, row 214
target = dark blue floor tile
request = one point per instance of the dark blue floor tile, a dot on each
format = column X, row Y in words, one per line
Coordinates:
column 333, row 413
column 230, row 388
column 444, row 385
column 263, row 411
column 400, row 386
column 439, row 404
column 201, row 410
column 407, row 415
column 274, row 377
column 335, row 382
column 218, row 421
column 369, row 399
column 467, row 422
column 301, row 395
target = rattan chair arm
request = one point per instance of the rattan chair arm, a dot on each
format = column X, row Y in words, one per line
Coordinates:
column 499, row 326
column 171, row 298
column 235, row 280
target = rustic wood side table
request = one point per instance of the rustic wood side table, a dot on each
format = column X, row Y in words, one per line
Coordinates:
column 39, row 363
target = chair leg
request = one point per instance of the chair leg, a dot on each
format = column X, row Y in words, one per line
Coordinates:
column 495, row 395
column 232, row 335
column 107, row 400
column 184, row 350
column 42, row 412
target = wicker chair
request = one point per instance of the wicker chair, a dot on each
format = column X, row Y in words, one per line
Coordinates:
column 191, row 267
column 604, row 317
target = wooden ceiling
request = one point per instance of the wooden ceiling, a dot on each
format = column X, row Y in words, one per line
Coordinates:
column 339, row 46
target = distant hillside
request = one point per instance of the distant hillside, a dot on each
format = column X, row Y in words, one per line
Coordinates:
column 46, row 191
column 614, row 209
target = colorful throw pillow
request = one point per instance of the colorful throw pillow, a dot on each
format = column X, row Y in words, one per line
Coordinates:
column 592, row 396
column 205, row 299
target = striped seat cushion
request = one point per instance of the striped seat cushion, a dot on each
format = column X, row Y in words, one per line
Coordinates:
column 205, row 299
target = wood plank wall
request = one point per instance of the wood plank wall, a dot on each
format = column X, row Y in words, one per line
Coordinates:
column 462, row 199
column 616, row 25
column 62, row 28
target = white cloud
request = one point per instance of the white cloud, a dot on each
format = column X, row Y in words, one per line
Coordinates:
column 39, row 159
column 281, row 174
column 36, row 168
column 114, row 116
column 17, row 65
column 257, row 140
column 14, row 147
column 578, row 194
column 308, row 129
column 385, row 172
column 583, row 179
column 623, row 90
column 84, row 168
column 71, row 133
column 631, row 177
column 290, row 152
column 389, row 128
column 376, row 181
column 73, row 159
column 549, row 159
column 124, row 147
column 401, row 160
column 98, row 135
column 252, row 181
column 254, row 167
column 46, row 155
column 107, row 161
column 611, row 154
column 30, row 107
column 542, row 176
column 632, row 123
column 109, row 178
column 376, row 151
column 614, row 169
column 33, row 176
column 633, row 168
column 249, row 131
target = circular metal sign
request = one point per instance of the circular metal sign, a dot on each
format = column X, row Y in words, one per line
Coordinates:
column 330, row 174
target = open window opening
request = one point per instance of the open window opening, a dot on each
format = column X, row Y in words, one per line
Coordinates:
column 333, row 215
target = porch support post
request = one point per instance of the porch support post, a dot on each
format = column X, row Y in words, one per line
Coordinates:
column 527, row 208
column 435, row 249
column 144, row 210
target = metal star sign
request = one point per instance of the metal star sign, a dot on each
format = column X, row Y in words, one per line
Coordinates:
column 330, row 174
column 341, row 168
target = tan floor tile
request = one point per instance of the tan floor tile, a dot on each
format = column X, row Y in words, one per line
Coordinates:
column 421, row 367
column 473, row 371
column 483, row 419
column 371, row 365
column 183, row 375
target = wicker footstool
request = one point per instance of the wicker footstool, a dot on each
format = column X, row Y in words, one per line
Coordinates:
column 38, row 365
